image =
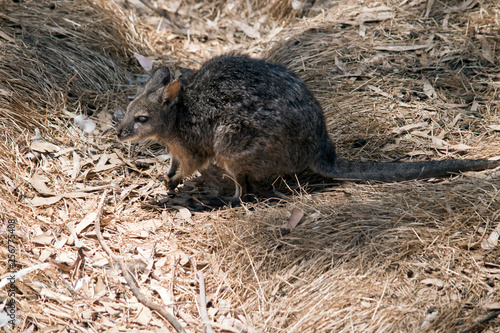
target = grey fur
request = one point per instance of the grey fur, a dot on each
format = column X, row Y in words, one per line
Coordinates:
column 256, row 119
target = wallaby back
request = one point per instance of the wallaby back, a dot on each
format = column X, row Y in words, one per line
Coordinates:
column 256, row 119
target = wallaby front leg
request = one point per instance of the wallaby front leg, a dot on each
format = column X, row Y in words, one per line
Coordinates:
column 173, row 179
column 174, row 166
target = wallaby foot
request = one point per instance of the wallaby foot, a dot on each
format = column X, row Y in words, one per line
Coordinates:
column 170, row 182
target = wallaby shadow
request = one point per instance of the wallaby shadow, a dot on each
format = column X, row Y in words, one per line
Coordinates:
column 214, row 190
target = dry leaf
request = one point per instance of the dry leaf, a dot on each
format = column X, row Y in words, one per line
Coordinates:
column 44, row 239
column 231, row 324
column 435, row 282
column 409, row 127
column 492, row 306
column 145, row 63
column 429, row 319
column 74, row 236
column 6, row 37
column 474, row 107
column 102, row 168
column 45, row 292
column 430, row 3
column 44, row 147
column 110, row 309
column 143, row 316
column 163, row 292
column 402, row 48
column 148, row 225
column 46, row 253
column 295, row 218
column 492, row 241
column 460, row 147
column 372, row 17
column 184, row 213
column 85, row 222
column 381, row 8
column 341, row 66
column 362, row 30
column 439, row 143
column 379, row 91
column 428, row 88
column 488, row 51
column 76, row 165
column 21, row 273
column 247, row 30
column 495, row 127
column 39, row 185
column 466, row 4
column 102, row 160
column 39, row 201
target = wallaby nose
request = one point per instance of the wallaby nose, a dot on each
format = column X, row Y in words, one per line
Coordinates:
column 118, row 132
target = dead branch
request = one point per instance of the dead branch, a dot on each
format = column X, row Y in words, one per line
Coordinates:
column 162, row 13
column 203, row 304
column 126, row 274
column 481, row 322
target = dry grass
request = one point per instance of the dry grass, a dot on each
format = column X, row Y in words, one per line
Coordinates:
column 411, row 79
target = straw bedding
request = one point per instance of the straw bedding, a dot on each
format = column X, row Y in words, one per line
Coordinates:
column 408, row 80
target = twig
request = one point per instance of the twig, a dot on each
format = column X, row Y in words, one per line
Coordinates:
column 161, row 12
column 380, row 300
column 67, row 87
column 70, row 287
column 126, row 274
column 480, row 322
column 203, row 304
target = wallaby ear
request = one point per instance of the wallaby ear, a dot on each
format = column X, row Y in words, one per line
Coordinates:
column 170, row 92
column 159, row 78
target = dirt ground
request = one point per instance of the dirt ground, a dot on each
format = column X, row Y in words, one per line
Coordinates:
column 401, row 80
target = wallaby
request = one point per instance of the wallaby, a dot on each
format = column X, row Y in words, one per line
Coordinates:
column 256, row 119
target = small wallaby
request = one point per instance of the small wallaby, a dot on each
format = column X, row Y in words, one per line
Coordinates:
column 256, row 119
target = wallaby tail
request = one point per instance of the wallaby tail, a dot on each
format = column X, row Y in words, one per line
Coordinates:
column 329, row 165
column 396, row 172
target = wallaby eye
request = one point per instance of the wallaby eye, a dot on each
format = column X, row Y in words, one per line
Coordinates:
column 142, row 119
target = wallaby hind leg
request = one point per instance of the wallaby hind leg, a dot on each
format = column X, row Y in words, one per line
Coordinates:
column 325, row 161
column 242, row 186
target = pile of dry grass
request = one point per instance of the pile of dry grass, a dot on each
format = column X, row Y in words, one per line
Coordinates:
column 408, row 77
column 57, row 57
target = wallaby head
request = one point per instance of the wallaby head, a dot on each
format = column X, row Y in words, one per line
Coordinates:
column 147, row 114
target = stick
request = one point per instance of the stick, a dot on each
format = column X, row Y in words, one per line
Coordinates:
column 203, row 305
column 160, row 11
column 126, row 274
column 163, row 13
column 67, row 87
column 480, row 322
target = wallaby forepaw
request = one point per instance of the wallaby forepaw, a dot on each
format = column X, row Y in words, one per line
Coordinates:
column 170, row 183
